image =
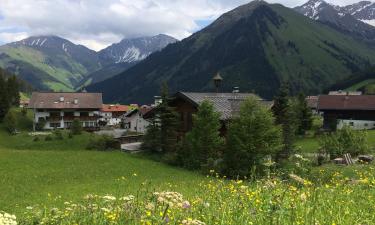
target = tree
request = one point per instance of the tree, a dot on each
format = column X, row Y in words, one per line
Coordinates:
column 13, row 91
column 286, row 117
column 203, row 143
column 304, row 115
column 161, row 135
column 76, row 128
column 252, row 137
column 4, row 101
column 168, row 122
column 151, row 140
column 10, row 121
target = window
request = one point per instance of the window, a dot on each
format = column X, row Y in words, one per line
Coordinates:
column 366, row 124
column 54, row 125
column 351, row 124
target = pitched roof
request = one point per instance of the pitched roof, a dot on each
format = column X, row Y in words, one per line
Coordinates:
column 143, row 110
column 346, row 102
column 65, row 100
column 115, row 108
column 227, row 104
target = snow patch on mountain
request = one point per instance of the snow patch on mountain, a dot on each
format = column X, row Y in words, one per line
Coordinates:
column 370, row 22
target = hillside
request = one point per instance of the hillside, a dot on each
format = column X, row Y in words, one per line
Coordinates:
column 348, row 19
column 256, row 47
column 51, row 62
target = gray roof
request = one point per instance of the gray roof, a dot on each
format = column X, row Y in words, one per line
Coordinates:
column 227, row 104
column 65, row 100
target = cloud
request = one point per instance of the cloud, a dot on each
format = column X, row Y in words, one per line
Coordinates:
column 99, row 23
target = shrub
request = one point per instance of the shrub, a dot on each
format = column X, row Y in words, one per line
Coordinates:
column 76, row 128
column 24, row 111
column 58, row 134
column 10, row 121
column 70, row 135
column 252, row 137
column 36, row 139
column 39, row 126
column 344, row 141
column 48, row 138
column 102, row 143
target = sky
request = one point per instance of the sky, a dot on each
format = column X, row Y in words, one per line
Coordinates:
column 99, row 23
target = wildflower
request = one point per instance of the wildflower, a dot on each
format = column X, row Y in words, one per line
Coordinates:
column 109, row 198
column 127, row 198
column 29, row 207
column 190, row 221
column 7, row 219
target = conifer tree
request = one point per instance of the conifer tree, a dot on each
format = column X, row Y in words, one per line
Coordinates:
column 203, row 143
column 4, row 100
column 252, row 137
column 168, row 122
column 304, row 115
column 286, row 117
column 13, row 91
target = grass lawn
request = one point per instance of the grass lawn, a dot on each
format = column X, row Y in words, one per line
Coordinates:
column 311, row 144
column 39, row 172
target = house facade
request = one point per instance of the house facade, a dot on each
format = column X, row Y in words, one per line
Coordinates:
column 58, row 110
column 112, row 114
column 134, row 120
column 356, row 111
column 227, row 104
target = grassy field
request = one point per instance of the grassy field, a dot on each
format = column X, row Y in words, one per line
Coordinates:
column 311, row 144
column 51, row 178
column 39, row 172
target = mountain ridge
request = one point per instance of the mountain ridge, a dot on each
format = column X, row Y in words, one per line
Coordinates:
column 256, row 46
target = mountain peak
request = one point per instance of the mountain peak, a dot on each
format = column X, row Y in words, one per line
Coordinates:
column 131, row 50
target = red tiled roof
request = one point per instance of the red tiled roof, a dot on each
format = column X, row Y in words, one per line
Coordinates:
column 115, row 108
column 348, row 102
column 65, row 100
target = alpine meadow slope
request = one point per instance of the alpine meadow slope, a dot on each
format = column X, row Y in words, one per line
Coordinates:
column 256, row 47
column 54, row 63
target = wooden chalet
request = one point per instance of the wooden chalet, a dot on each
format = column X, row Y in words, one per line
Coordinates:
column 357, row 111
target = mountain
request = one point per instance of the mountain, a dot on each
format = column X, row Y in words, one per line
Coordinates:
column 135, row 50
column 54, row 63
column 364, row 11
column 121, row 56
column 344, row 19
column 49, row 62
column 105, row 73
column 256, row 47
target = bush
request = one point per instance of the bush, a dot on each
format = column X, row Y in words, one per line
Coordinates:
column 10, row 121
column 36, row 139
column 344, row 141
column 296, row 164
column 48, row 138
column 24, row 111
column 58, row 134
column 76, row 128
column 39, row 126
column 102, row 143
column 252, row 137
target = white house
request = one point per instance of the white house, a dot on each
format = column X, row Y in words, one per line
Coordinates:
column 58, row 109
column 112, row 114
column 134, row 120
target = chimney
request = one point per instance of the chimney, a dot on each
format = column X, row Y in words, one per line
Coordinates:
column 62, row 99
column 76, row 101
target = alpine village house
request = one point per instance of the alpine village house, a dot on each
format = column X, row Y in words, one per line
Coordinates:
column 58, row 109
